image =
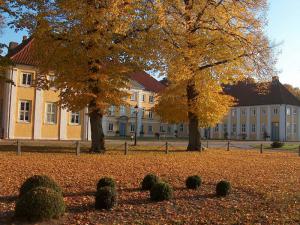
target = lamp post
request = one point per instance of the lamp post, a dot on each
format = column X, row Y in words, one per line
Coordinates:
column 136, row 109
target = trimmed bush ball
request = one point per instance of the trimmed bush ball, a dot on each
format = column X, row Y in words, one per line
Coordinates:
column 193, row 182
column 277, row 144
column 106, row 181
column 148, row 181
column 39, row 204
column 161, row 191
column 223, row 188
column 106, row 198
column 39, row 181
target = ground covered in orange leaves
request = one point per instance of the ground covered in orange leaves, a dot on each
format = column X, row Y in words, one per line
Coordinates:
column 266, row 188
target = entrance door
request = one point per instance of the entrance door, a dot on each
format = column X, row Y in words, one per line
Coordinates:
column 275, row 132
column 123, row 129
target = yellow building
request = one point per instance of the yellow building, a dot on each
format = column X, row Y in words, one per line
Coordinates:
column 29, row 113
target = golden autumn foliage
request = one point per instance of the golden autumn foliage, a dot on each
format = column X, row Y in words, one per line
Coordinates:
column 208, row 44
column 89, row 48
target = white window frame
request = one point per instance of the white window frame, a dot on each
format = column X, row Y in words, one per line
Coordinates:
column 151, row 99
column 143, row 97
column 150, row 131
column 253, row 112
column 275, row 111
column 122, row 110
column 253, row 128
column 110, row 127
column 233, row 112
column 133, row 96
column 181, row 128
column 24, row 112
column 243, row 128
column 288, row 111
column 150, row 114
column 76, row 116
column 217, row 128
column 233, row 128
column 111, row 111
column 27, row 83
column 294, row 111
column 132, row 127
column 51, row 113
column 132, row 111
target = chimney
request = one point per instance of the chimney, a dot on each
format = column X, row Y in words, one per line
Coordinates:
column 275, row 79
column 24, row 38
column 12, row 45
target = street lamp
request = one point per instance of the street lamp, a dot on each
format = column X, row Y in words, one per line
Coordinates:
column 136, row 110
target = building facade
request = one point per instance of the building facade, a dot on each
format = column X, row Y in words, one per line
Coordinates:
column 29, row 113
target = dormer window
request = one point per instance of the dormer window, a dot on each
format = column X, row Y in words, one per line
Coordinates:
column 26, row 79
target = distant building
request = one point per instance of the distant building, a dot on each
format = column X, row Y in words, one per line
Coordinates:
column 273, row 114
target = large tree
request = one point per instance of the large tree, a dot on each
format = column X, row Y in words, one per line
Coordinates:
column 89, row 47
column 206, row 44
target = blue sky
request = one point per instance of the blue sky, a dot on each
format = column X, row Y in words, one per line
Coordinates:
column 283, row 27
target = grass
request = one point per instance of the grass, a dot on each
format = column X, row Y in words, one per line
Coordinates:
column 265, row 187
column 284, row 147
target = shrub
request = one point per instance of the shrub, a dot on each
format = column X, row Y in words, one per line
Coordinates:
column 223, row 188
column 106, row 198
column 106, row 181
column 40, row 203
column 161, row 191
column 193, row 182
column 277, row 144
column 39, row 181
column 148, row 181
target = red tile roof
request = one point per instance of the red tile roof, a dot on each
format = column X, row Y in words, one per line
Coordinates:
column 22, row 53
column 147, row 81
column 248, row 94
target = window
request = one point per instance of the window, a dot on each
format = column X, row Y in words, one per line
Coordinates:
column 132, row 111
column 225, row 128
column 295, row 128
column 111, row 111
column 151, row 99
column 288, row 111
column 288, row 127
column 26, row 79
column 294, row 111
column 24, row 111
column 132, row 127
column 143, row 98
column 162, row 129
column 234, row 128
column 122, row 110
column 143, row 112
column 243, row 128
column 169, row 129
column 75, row 118
column 264, row 112
column 110, row 127
column 142, row 128
column 150, row 129
column 217, row 128
column 150, row 114
column 51, row 112
column 275, row 111
column 133, row 97
column 243, row 112
column 253, row 112
column 181, row 128
column 233, row 113
column 253, row 128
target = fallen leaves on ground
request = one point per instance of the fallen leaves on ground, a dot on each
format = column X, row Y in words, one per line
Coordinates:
column 266, row 187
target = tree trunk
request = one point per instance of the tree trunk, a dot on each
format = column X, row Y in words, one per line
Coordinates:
column 194, row 134
column 97, row 132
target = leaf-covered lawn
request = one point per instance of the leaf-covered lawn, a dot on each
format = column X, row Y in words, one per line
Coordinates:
column 266, row 188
